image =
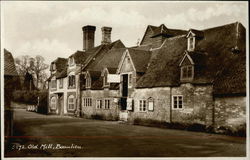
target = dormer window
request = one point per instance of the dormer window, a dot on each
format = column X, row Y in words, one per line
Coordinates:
column 186, row 68
column 105, row 81
column 187, row 72
column 191, row 43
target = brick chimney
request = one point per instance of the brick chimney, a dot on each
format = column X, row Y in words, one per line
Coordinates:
column 106, row 35
column 88, row 37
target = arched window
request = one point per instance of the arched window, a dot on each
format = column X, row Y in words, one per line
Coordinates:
column 53, row 103
column 71, row 102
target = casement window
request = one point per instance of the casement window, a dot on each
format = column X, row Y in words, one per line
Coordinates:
column 99, row 104
column 142, row 105
column 107, row 103
column 187, row 72
column 105, row 80
column 130, row 80
column 53, row 103
column 71, row 81
column 61, row 83
column 53, row 84
column 191, row 43
column 88, row 81
column 86, row 102
column 71, row 102
column 150, row 104
column 177, row 102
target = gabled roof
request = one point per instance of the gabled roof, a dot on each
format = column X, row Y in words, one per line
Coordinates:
column 9, row 64
column 213, row 54
column 140, row 59
column 196, row 33
column 61, row 64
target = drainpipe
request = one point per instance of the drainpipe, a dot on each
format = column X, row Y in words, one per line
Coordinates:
column 170, row 114
column 80, row 93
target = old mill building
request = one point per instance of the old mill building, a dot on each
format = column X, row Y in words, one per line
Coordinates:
column 194, row 76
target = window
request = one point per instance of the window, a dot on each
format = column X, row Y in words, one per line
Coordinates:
column 71, row 61
column 130, row 80
column 177, row 102
column 107, row 103
column 53, row 83
column 142, row 105
column 99, row 104
column 53, row 103
column 61, row 83
column 105, row 80
column 150, row 104
column 71, row 102
column 191, row 43
column 187, row 72
column 88, row 82
column 53, row 66
column 86, row 102
column 72, row 81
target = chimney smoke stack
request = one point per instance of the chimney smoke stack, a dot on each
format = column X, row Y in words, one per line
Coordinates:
column 88, row 37
column 106, row 35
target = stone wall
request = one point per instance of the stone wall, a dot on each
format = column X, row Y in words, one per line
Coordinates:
column 230, row 111
column 161, row 97
column 196, row 103
column 108, row 114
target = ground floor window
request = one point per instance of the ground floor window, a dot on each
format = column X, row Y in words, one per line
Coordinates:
column 71, row 102
column 53, row 103
column 98, row 103
column 107, row 103
column 86, row 102
column 142, row 105
column 177, row 102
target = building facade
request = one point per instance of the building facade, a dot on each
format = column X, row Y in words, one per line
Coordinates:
column 193, row 76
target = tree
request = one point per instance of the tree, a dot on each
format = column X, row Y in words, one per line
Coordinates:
column 35, row 66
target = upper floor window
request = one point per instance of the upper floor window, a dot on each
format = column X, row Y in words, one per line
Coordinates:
column 72, row 81
column 187, row 72
column 191, row 43
column 88, row 81
column 61, row 83
column 53, row 66
column 177, row 102
column 71, row 61
column 130, row 80
column 105, row 80
column 53, row 83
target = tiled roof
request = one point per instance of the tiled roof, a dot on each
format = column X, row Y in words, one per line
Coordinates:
column 9, row 64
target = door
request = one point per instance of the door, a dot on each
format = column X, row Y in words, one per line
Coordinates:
column 125, row 85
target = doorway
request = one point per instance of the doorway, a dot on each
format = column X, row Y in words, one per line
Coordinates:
column 60, row 104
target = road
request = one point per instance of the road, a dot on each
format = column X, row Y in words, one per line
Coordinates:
column 54, row 136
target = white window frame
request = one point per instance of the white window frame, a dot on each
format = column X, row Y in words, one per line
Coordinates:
column 142, row 104
column 191, row 46
column 192, row 72
column 178, row 102
column 87, row 102
column 108, row 100
column 88, row 81
column 53, row 86
column 70, row 103
column 54, row 103
column 61, row 83
column 71, row 61
column 130, row 80
column 99, row 104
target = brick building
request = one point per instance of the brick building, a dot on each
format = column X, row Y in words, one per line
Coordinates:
column 193, row 76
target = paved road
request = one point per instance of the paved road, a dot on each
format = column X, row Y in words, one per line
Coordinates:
column 47, row 135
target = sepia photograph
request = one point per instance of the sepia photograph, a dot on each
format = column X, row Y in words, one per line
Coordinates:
column 124, row 79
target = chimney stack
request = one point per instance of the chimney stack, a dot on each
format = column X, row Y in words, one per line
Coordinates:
column 106, row 35
column 88, row 37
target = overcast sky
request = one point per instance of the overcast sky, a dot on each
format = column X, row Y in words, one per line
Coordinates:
column 53, row 29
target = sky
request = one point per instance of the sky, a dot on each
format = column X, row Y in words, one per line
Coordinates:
column 54, row 29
